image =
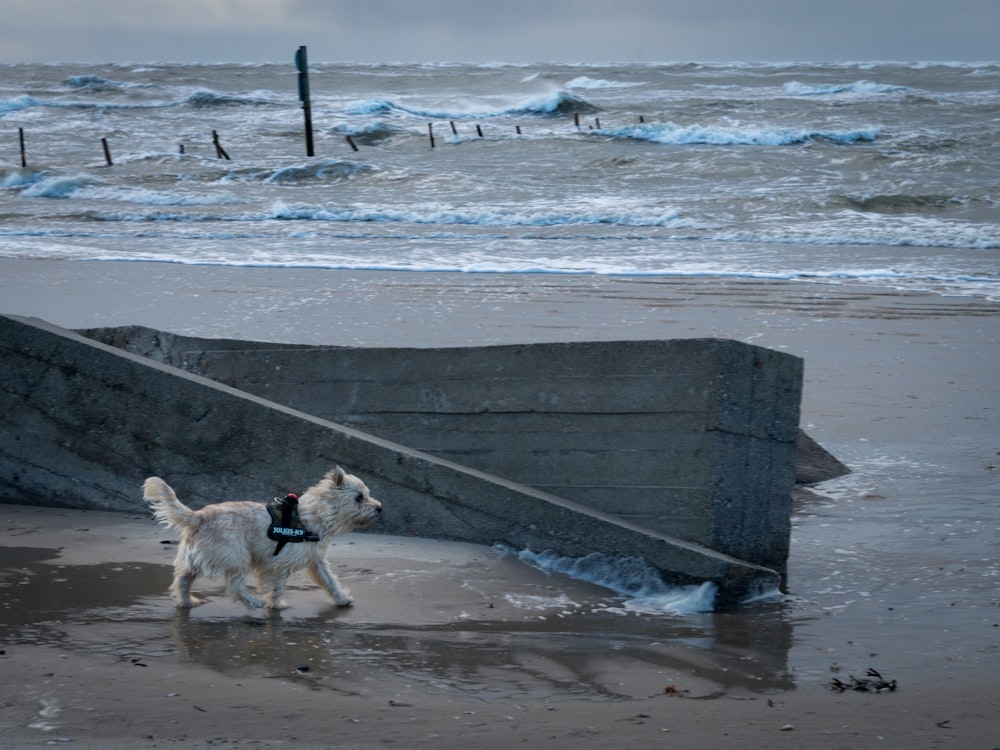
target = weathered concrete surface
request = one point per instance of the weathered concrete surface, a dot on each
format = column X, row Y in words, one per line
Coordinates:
column 82, row 423
column 813, row 463
column 691, row 438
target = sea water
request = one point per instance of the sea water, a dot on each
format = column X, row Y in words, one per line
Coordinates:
column 880, row 174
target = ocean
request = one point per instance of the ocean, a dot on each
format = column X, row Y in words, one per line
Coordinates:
column 879, row 174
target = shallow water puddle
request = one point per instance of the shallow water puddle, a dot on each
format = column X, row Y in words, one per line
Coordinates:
column 593, row 657
column 479, row 643
column 37, row 589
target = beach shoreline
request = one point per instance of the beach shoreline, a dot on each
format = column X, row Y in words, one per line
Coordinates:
column 117, row 667
column 893, row 567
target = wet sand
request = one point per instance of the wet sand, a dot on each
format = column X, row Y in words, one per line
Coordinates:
column 894, row 567
column 448, row 646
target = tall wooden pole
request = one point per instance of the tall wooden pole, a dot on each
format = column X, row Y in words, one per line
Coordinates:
column 302, row 63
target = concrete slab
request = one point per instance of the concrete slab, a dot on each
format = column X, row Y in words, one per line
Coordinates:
column 82, row 423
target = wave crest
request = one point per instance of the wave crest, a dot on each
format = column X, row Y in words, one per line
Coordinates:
column 588, row 83
column 632, row 577
column 93, row 83
column 328, row 169
column 797, row 88
column 558, row 102
column 17, row 103
column 736, row 135
column 208, row 98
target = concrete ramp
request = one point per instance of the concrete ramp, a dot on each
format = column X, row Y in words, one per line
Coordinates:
column 83, row 423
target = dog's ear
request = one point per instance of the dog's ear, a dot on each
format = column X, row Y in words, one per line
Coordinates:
column 337, row 476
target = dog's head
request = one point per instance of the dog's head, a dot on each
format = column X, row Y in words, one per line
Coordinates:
column 342, row 501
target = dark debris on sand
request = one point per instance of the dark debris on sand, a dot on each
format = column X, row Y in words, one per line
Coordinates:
column 872, row 683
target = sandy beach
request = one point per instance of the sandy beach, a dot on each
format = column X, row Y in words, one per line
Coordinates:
column 437, row 652
column 894, row 567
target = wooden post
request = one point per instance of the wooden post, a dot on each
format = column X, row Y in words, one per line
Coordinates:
column 597, row 122
column 576, row 119
column 479, row 130
column 107, row 152
column 518, row 127
column 220, row 152
column 454, row 130
column 430, row 132
column 641, row 119
column 20, row 135
column 353, row 145
column 181, row 149
column 302, row 63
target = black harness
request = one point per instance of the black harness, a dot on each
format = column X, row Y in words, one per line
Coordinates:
column 286, row 526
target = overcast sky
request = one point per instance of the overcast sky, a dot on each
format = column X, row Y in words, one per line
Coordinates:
column 498, row 30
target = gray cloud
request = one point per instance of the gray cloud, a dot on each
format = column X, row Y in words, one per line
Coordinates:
column 515, row 30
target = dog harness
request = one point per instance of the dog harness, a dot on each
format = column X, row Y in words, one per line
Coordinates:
column 286, row 526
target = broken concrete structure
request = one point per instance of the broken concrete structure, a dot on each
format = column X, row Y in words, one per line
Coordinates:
column 682, row 452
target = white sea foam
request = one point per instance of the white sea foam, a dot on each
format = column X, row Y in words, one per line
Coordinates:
column 87, row 187
column 798, row 88
column 546, row 103
column 61, row 186
column 17, row 103
column 541, row 603
column 586, row 82
column 326, row 169
column 737, row 135
column 483, row 215
column 633, row 578
column 16, row 178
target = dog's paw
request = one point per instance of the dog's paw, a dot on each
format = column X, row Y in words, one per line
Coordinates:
column 189, row 603
column 344, row 599
column 278, row 605
column 248, row 601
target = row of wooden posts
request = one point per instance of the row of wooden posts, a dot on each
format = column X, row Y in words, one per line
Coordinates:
column 221, row 153
column 479, row 129
column 302, row 65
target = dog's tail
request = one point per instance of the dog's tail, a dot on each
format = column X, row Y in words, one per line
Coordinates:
column 166, row 507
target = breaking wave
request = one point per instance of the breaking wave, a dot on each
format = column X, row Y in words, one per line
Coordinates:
column 93, row 83
column 549, row 104
column 595, row 84
column 631, row 577
column 732, row 135
column 796, row 88
column 91, row 188
column 328, row 169
column 18, row 103
column 208, row 98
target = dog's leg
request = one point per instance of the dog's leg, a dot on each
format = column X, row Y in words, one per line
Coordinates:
column 236, row 587
column 276, row 587
column 184, row 575
column 321, row 574
column 180, row 591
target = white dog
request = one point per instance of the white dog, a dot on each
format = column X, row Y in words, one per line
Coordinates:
column 229, row 540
